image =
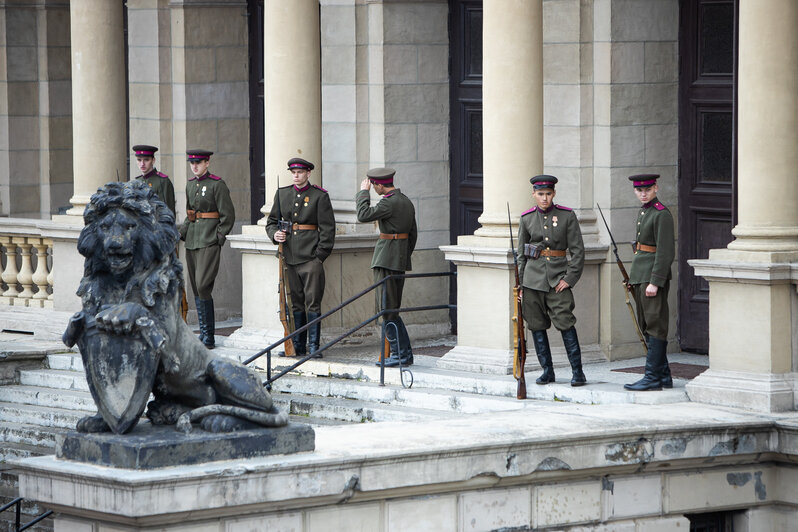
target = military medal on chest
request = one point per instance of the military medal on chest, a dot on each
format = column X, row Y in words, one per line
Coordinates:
column 307, row 199
column 204, row 188
column 554, row 221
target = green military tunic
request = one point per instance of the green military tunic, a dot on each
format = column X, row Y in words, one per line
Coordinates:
column 304, row 249
column 307, row 206
column 162, row 186
column 555, row 229
column 395, row 214
column 205, row 236
column 654, row 228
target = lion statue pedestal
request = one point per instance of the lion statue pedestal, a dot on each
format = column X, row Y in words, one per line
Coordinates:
column 132, row 338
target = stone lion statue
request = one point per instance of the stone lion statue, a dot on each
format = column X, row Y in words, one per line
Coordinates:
column 130, row 333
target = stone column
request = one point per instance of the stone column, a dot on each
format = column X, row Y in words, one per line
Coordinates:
column 99, row 116
column 753, row 323
column 512, row 108
column 292, row 77
column 292, row 72
column 512, row 127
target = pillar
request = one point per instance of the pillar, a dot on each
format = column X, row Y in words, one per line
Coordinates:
column 512, row 127
column 99, row 111
column 292, row 78
column 292, row 71
column 753, row 318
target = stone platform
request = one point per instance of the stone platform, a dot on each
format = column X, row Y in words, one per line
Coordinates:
column 152, row 447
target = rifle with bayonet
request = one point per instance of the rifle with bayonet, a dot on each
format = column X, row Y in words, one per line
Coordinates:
column 627, row 287
column 286, row 314
column 519, row 333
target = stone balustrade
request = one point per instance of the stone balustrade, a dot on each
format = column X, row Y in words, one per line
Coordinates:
column 26, row 257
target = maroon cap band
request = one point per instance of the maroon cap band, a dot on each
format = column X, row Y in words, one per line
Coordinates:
column 381, row 180
column 646, row 183
column 539, row 183
column 299, row 165
column 145, row 153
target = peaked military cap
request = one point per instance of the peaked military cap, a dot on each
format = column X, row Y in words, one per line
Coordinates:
column 381, row 176
column 144, row 150
column 643, row 180
column 198, row 155
column 543, row 181
column 296, row 162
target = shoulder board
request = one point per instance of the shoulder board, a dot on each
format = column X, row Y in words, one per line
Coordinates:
column 562, row 208
column 659, row 206
column 533, row 209
column 192, row 178
column 318, row 187
column 161, row 174
column 214, row 177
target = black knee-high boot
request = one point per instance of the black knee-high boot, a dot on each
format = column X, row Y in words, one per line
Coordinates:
column 655, row 362
column 571, row 342
column 314, row 334
column 541, row 341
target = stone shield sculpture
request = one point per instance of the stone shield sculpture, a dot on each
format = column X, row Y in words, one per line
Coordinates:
column 132, row 337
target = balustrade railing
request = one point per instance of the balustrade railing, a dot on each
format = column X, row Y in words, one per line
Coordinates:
column 26, row 259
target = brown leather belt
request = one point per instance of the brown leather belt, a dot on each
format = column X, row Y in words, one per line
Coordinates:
column 552, row 253
column 194, row 215
column 304, row 227
column 643, row 247
column 394, row 236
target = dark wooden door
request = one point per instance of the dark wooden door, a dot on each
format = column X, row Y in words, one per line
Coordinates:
column 257, row 163
column 707, row 139
column 465, row 29
column 465, row 137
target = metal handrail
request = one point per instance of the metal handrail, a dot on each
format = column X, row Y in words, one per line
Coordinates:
column 268, row 350
column 18, row 527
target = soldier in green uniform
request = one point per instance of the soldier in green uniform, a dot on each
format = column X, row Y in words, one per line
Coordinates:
column 160, row 183
column 309, row 242
column 650, row 279
column 210, row 216
column 545, row 233
column 396, row 217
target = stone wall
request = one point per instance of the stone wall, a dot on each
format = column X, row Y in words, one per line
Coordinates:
column 35, row 109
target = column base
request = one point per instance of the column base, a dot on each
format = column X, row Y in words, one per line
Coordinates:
column 478, row 360
column 761, row 392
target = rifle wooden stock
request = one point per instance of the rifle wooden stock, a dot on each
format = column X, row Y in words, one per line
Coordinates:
column 519, row 342
column 286, row 316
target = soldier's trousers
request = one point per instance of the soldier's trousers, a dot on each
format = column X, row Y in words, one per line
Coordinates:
column 203, row 266
column 393, row 292
column 652, row 312
column 306, row 282
column 541, row 309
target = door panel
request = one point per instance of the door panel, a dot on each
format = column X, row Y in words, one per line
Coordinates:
column 706, row 153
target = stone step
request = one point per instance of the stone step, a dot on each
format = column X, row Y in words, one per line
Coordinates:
column 14, row 451
column 42, row 396
column 39, row 415
column 65, row 361
column 350, row 410
column 25, row 434
column 424, row 398
column 54, row 378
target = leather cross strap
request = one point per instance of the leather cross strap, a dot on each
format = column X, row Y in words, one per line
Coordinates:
column 394, row 236
column 194, row 215
column 552, row 253
column 643, row 247
column 304, row 227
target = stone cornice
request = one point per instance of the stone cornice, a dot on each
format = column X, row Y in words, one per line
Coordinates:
column 745, row 272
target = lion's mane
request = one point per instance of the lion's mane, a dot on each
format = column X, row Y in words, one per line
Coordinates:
column 155, row 270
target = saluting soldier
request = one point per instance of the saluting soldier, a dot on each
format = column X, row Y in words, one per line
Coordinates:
column 396, row 217
column 650, row 279
column 160, row 183
column 305, row 247
column 547, row 232
column 210, row 216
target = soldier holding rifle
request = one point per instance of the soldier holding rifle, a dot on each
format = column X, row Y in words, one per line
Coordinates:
column 307, row 242
column 650, row 280
column 546, row 232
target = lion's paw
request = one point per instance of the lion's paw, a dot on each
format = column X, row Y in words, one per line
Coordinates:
column 94, row 423
column 223, row 423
